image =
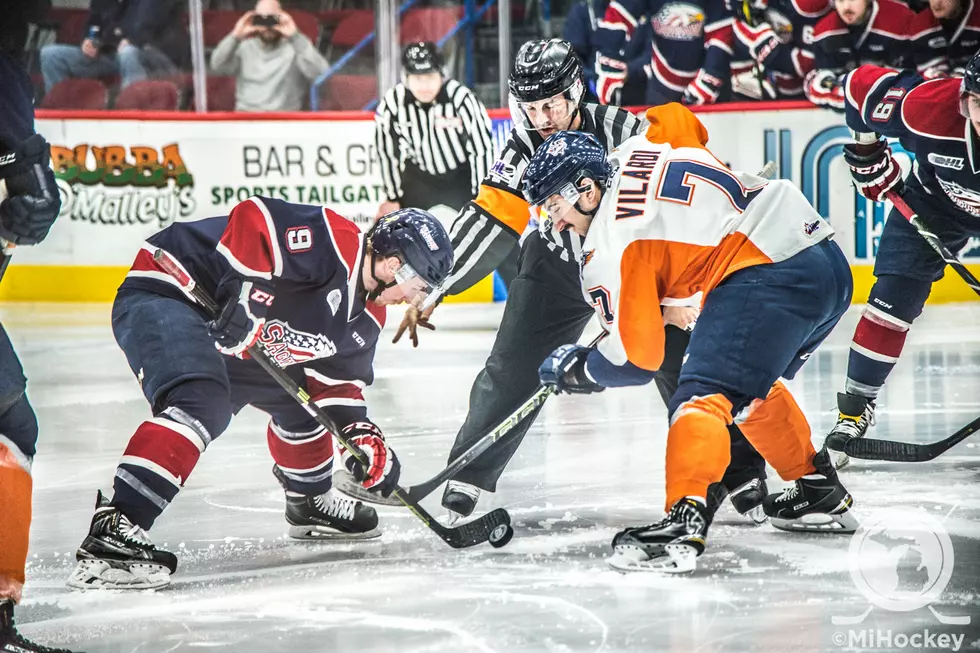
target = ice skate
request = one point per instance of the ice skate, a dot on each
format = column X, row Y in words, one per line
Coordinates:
column 671, row 545
column 460, row 498
column 330, row 516
column 117, row 554
column 747, row 499
column 13, row 642
column 816, row 502
column 857, row 414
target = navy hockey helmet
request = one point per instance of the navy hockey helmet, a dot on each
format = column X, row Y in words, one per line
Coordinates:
column 545, row 69
column 419, row 240
column 970, row 86
column 560, row 165
column 421, row 58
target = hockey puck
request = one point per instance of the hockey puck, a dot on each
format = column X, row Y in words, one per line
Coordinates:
column 501, row 535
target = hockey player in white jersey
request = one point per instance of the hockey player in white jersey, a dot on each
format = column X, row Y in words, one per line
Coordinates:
column 666, row 221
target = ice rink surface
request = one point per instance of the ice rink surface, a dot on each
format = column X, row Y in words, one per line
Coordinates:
column 588, row 467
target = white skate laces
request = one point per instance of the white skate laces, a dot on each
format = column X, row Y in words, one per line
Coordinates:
column 790, row 492
column 336, row 506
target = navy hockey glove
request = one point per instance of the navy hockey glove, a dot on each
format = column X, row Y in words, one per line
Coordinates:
column 564, row 370
column 703, row 89
column 611, row 76
column 244, row 306
column 383, row 468
column 33, row 201
column 874, row 170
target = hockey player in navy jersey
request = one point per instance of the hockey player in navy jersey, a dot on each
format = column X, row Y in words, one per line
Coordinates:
column 312, row 288
column 773, row 51
column 689, row 55
column 945, row 36
column 857, row 32
column 938, row 120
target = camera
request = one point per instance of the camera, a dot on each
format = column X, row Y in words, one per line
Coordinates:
column 265, row 20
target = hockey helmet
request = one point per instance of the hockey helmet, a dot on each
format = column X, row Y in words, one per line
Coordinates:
column 546, row 85
column 421, row 58
column 970, row 86
column 553, row 178
column 420, row 241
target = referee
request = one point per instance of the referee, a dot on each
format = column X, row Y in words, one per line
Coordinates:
column 432, row 136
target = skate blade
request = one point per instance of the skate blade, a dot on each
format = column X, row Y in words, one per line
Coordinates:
column 840, row 520
column 757, row 515
column 677, row 559
column 326, row 534
column 99, row 574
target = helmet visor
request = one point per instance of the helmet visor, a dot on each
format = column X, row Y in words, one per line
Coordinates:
column 552, row 113
column 556, row 206
column 414, row 287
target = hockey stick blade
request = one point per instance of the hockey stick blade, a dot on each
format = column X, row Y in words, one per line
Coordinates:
column 346, row 483
column 906, row 452
column 465, row 535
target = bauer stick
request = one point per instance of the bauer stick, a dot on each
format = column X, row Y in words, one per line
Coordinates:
column 873, row 449
column 493, row 527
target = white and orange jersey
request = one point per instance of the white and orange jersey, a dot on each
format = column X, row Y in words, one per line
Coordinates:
column 674, row 223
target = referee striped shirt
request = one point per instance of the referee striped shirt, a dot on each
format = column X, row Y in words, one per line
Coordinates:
column 487, row 228
column 438, row 137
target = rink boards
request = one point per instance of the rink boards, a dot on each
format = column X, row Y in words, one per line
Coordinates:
column 125, row 175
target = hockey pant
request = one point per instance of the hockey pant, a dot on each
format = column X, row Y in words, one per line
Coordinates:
column 18, row 437
column 906, row 266
column 545, row 309
column 760, row 324
column 193, row 392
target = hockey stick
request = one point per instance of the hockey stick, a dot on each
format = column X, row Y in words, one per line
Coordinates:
column 873, row 449
column 493, row 527
column 346, row 483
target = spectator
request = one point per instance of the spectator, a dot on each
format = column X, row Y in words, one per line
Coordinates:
column 945, row 36
column 857, row 32
column 627, row 87
column 432, row 135
column 272, row 60
column 689, row 54
column 773, row 53
column 134, row 39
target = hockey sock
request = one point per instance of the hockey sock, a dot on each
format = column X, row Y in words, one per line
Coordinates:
column 778, row 430
column 15, row 521
column 880, row 334
column 698, row 449
column 305, row 459
column 159, row 458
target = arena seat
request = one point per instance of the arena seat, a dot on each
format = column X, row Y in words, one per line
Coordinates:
column 428, row 24
column 148, row 95
column 81, row 94
column 348, row 92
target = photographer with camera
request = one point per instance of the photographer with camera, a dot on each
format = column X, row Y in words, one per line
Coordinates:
column 274, row 62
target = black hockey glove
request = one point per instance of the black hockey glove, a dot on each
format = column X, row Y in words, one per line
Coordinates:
column 33, row 201
column 383, row 468
column 244, row 306
column 564, row 370
column 874, row 170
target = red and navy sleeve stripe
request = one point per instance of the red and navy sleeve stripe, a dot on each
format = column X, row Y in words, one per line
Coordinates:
column 249, row 242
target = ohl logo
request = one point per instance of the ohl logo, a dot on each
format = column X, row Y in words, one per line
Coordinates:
column 110, row 185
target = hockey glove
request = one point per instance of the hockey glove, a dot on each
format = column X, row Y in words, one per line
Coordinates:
column 822, row 88
column 564, row 370
column 33, row 201
column 611, row 77
column 704, row 89
column 244, row 306
column 874, row 170
column 383, row 469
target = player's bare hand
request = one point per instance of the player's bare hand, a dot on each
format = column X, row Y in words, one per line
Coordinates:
column 412, row 321
column 89, row 49
column 244, row 28
column 286, row 26
column 386, row 208
column 682, row 317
